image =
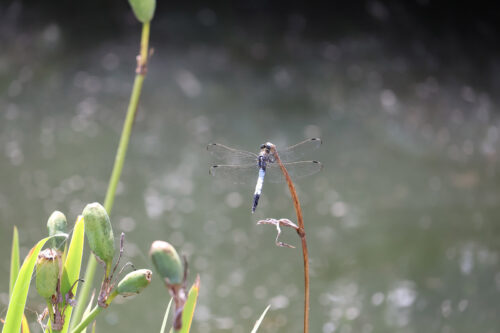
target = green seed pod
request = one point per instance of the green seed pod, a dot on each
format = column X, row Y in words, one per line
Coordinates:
column 134, row 282
column 99, row 232
column 143, row 9
column 48, row 266
column 166, row 261
column 57, row 226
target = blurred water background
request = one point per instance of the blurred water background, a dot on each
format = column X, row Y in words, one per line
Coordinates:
column 402, row 223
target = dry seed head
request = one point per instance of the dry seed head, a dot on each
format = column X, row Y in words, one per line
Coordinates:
column 48, row 267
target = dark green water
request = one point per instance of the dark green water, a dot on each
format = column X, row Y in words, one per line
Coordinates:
column 402, row 223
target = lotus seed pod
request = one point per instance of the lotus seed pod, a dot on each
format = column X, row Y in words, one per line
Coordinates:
column 99, row 232
column 166, row 261
column 57, row 227
column 143, row 9
column 48, row 266
column 134, row 282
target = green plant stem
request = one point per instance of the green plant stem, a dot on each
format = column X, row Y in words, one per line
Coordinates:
column 88, row 319
column 91, row 316
column 144, row 44
column 118, row 166
column 51, row 312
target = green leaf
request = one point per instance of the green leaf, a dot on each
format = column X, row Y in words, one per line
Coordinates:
column 143, row 9
column 188, row 312
column 20, row 291
column 72, row 265
column 258, row 322
column 14, row 260
column 14, row 271
column 164, row 324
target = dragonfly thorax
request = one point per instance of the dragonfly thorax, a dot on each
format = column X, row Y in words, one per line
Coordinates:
column 266, row 154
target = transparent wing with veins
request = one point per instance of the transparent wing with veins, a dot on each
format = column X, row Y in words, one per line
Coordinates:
column 298, row 151
column 246, row 174
column 239, row 166
column 237, row 174
column 296, row 170
column 231, row 156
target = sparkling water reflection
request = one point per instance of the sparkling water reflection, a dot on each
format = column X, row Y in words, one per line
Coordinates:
column 402, row 221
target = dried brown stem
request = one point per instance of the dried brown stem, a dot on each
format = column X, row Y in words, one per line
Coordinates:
column 302, row 233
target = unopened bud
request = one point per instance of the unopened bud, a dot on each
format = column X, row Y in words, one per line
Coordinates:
column 166, row 261
column 134, row 282
column 48, row 266
column 57, row 227
column 143, row 9
column 99, row 232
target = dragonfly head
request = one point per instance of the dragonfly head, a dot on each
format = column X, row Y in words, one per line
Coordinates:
column 267, row 151
column 268, row 146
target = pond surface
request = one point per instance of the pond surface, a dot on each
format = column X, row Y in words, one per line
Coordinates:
column 402, row 222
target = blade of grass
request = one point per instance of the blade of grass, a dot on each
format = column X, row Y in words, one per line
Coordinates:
column 20, row 291
column 14, row 260
column 88, row 309
column 188, row 312
column 72, row 265
column 258, row 322
column 14, row 271
column 164, row 323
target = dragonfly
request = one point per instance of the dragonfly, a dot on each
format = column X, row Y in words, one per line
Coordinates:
column 239, row 166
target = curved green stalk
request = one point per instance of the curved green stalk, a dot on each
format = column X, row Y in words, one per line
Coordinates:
column 88, row 319
column 91, row 316
column 118, row 166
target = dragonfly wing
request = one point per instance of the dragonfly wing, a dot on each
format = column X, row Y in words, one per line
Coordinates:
column 296, row 170
column 298, row 151
column 238, row 174
column 231, row 156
